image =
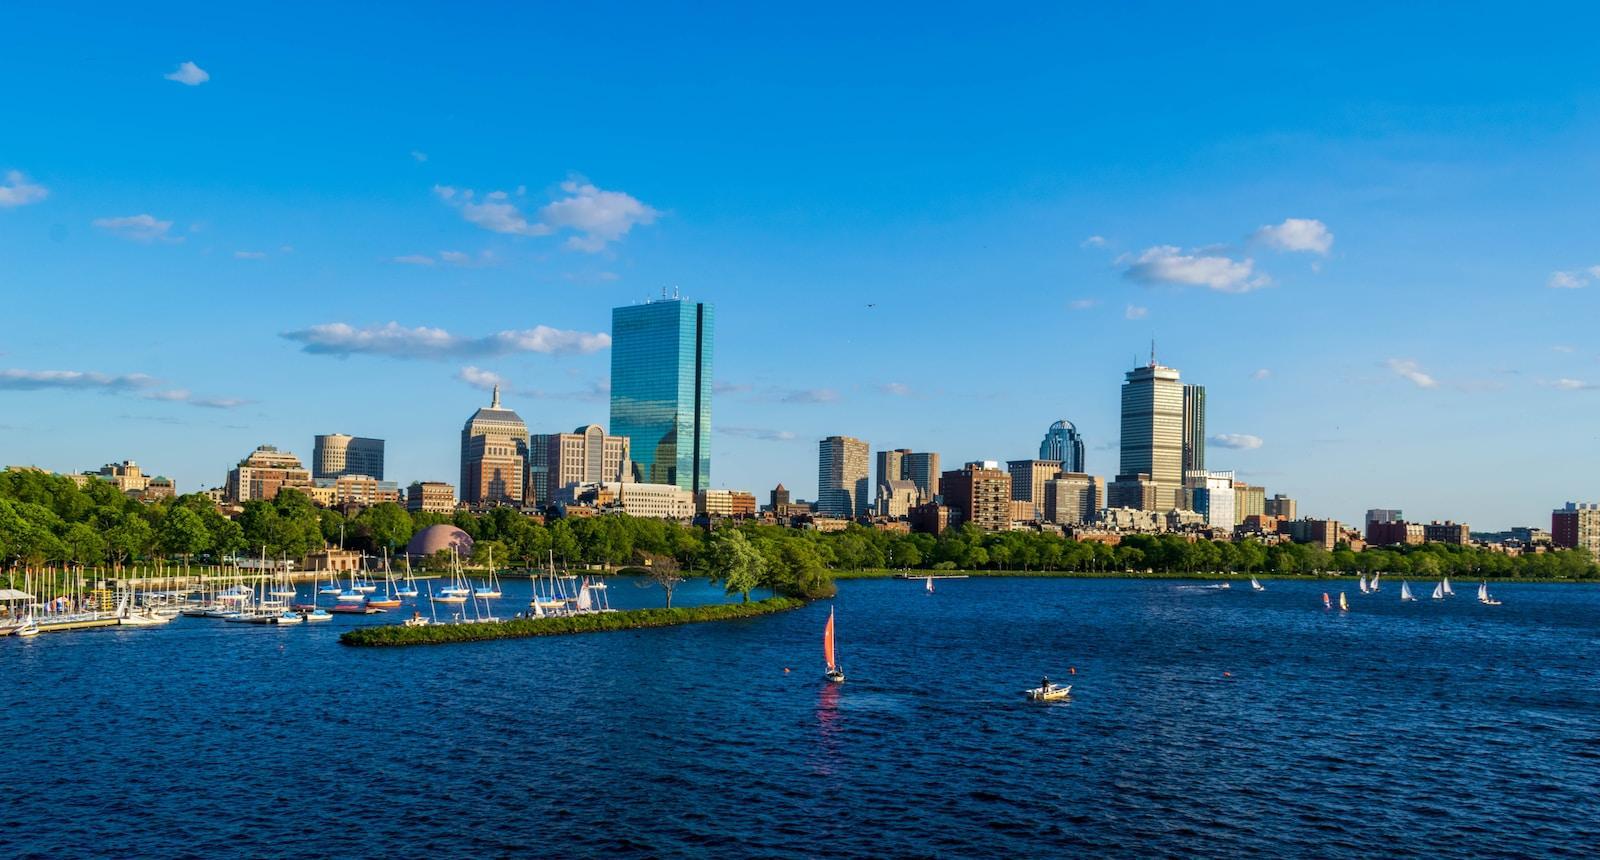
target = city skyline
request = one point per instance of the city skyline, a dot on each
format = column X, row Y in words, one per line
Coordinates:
column 276, row 246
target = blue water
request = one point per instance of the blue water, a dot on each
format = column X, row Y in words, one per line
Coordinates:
column 1204, row 722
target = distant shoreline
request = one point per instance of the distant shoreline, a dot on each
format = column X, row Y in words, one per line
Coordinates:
column 1212, row 576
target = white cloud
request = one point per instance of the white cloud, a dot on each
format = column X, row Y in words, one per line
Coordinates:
column 597, row 216
column 398, row 341
column 1237, row 441
column 897, row 389
column 456, row 257
column 1409, row 370
column 1262, row 373
column 758, row 433
column 1082, row 304
column 479, row 378
column 249, row 255
column 1573, row 279
column 414, row 260
column 189, row 74
column 1093, row 242
column 1566, row 384
column 219, row 402
column 18, row 191
column 1134, row 312
column 1297, row 234
column 720, row 387
column 140, row 228
column 809, row 395
column 419, row 155
column 32, row 380
column 1167, row 264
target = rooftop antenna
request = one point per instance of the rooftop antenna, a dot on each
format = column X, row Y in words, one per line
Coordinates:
column 1152, row 352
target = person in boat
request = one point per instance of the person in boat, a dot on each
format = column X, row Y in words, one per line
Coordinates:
column 1044, row 686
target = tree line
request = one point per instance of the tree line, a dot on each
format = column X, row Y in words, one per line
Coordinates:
column 48, row 521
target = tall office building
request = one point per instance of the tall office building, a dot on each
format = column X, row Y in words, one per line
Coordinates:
column 1213, row 496
column 903, row 464
column 584, row 456
column 1072, row 498
column 661, row 389
column 1194, row 428
column 1062, row 442
column 1282, row 507
column 842, row 477
column 335, row 455
column 891, row 466
column 494, row 457
column 1152, row 432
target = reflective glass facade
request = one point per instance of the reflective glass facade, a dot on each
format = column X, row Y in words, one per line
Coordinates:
column 661, row 389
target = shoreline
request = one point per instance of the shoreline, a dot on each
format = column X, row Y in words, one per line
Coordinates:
column 398, row 635
column 1213, row 576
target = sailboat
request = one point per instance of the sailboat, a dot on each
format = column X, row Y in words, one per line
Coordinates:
column 1363, row 583
column 930, row 585
column 1483, row 595
column 1438, row 591
column 1326, row 604
column 834, row 673
column 1256, row 586
column 456, row 591
column 1344, row 606
column 491, row 588
column 1445, row 584
column 1405, row 592
column 409, row 587
column 389, row 600
column 1374, row 583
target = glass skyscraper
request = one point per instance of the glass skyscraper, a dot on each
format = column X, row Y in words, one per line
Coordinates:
column 1062, row 442
column 661, row 389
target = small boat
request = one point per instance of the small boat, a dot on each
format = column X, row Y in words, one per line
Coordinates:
column 416, row 620
column 1373, row 585
column 1438, row 591
column 929, row 588
column 834, row 673
column 29, row 629
column 1445, row 584
column 1048, row 692
column 288, row 617
column 329, row 589
column 1344, row 606
column 143, row 618
column 1256, row 586
column 1483, row 595
column 1224, row 585
column 1363, row 584
column 1405, row 592
column 318, row 615
column 1326, row 603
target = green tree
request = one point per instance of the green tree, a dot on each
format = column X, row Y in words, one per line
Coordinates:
column 735, row 563
column 182, row 533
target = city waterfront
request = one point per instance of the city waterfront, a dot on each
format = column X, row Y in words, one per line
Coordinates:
column 1204, row 721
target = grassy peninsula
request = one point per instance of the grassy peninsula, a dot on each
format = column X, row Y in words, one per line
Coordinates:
column 520, row 628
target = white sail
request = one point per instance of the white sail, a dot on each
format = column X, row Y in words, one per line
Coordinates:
column 1405, row 591
column 930, row 585
column 1445, row 584
column 1255, row 586
column 584, row 601
column 1438, row 591
column 1374, row 584
column 1483, row 591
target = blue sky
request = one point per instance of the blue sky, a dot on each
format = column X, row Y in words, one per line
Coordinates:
column 1368, row 233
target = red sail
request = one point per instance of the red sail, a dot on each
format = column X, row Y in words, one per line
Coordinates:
column 827, row 642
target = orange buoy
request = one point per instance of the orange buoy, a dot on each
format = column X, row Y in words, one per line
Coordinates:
column 1227, row 674
column 1073, row 670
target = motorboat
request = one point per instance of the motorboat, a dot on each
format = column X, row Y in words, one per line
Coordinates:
column 1048, row 692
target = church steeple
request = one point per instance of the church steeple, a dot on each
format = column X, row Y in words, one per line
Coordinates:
column 496, row 403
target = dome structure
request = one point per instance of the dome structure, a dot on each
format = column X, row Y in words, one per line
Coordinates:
column 440, row 537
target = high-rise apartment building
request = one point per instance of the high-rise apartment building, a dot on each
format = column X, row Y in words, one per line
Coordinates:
column 1249, row 500
column 1072, row 499
column 1385, row 515
column 1282, row 507
column 494, row 457
column 1152, row 432
column 843, row 485
column 980, row 494
column 261, row 475
column 1027, row 482
column 1194, row 428
column 584, row 456
column 1576, row 526
column 661, row 389
column 335, row 455
column 1062, row 442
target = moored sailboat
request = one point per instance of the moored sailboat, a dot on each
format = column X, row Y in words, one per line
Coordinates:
column 834, row 673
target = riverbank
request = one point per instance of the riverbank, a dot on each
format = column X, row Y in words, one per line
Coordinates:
column 521, row 628
column 1211, row 576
